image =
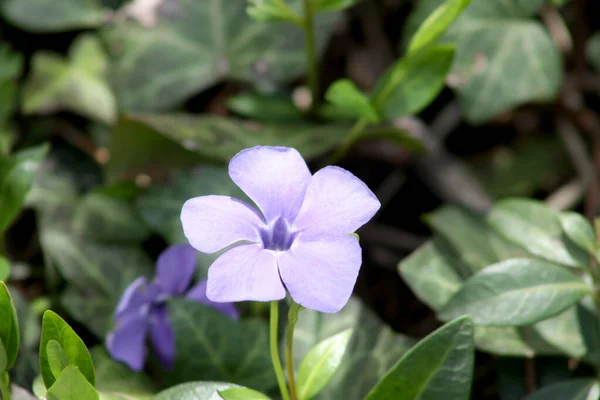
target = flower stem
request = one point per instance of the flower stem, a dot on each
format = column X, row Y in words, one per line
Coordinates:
column 275, row 351
column 352, row 138
column 5, row 386
column 289, row 355
column 311, row 53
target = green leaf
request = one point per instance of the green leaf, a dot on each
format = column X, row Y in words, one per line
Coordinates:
column 264, row 107
column 26, row 367
column 399, row 137
column 57, row 359
column 72, row 385
column 211, row 345
column 41, row 16
column 593, row 50
column 9, row 328
column 412, row 82
column 332, row 5
column 438, row 367
column 321, row 363
column 204, row 45
column 242, row 394
column 193, row 391
column 4, row 268
column 11, row 68
column 76, row 84
column 345, row 95
column 536, row 228
column 107, row 219
column 436, row 24
column 160, row 206
column 573, row 389
column 16, row 178
column 372, row 350
column 579, row 230
column 3, row 358
column 273, row 11
column 516, row 292
column 495, row 39
column 115, row 380
column 78, row 356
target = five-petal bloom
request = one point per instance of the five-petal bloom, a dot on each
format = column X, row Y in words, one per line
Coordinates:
column 302, row 240
column 142, row 309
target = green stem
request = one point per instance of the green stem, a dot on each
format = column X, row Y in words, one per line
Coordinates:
column 289, row 354
column 311, row 53
column 5, row 386
column 349, row 141
column 275, row 351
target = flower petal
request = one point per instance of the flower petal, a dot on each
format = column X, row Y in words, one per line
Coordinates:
column 275, row 178
column 321, row 275
column 198, row 293
column 127, row 343
column 175, row 268
column 337, row 203
column 245, row 272
column 136, row 295
column 162, row 336
column 212, row 223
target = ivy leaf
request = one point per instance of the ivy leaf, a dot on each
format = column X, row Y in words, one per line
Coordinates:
column 438, row 367
column 204, row 45
column 516, row 292
column 76, row 84
column 72, row 385
column 45, row 17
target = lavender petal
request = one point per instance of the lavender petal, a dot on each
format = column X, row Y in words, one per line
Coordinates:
column 198, row 293
column 175, row 268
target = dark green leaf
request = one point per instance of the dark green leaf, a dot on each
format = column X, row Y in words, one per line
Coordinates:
column 593, row 50
column 579, row 230
column 412, row 82
column 16, row 178
column 211, row 345
column 331, row 5
column 185, row 47
column 373, row 348
column 72, row 385
column 574, row 389
column 321, row 363
column 3, row 358
column 438, row 367
column 516, row 292
column 193, row 391
column 345, row 95
column 264, row 107
column 57, row 359
column 78, row 356
column 242, row 394
column 42, row 16
column 536, row 228
column 76, row 84
column 9, row 328
column 397, row 136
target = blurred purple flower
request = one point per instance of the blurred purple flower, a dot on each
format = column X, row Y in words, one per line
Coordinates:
column 142, row 309
column 302, row 241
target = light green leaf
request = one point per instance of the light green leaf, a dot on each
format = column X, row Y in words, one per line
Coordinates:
column 321, row 363
column 3, row 358
column 516, row 292
column 160, row 207
column 4, row 268
column 57, row 359
column 211, row 345
column 72, row 385
column 438, row 367
column 273, row 11
column 42, row 16
column 574, row 389
column 495, row 39
column 536, row 228
column 331, row 5
column 373, row 348
column 264, row 107
column 242, row 394
column 77, row 84
column 345, row 95
column 107, row 219
column 17, row 173
column 579, row 230
column 188, row 46
column 77, row 354
column 436, row 24
column 412, row 82
column 193, row 391
column 9, row 328
column 564, row 332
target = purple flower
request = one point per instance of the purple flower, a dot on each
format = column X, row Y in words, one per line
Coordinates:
column 143, row 310
column 301, row 242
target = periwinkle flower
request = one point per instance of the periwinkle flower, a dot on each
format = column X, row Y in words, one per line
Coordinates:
column 142, row 309
column 301, row 241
